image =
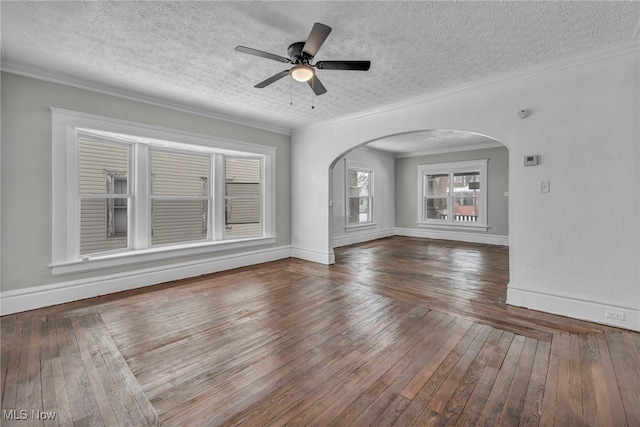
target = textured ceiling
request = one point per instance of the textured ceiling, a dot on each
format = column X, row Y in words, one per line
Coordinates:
column 432, row 141
column 183, row 52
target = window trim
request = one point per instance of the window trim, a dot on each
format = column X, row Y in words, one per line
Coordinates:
column 223, row 179
column 67, row 124
column 481, row 166
column 351, row 166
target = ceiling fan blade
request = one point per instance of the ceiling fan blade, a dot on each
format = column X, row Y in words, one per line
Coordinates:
column 272, row 79
column 344, row 65
column 317, row 36
column 262, row 54
column 317, row 87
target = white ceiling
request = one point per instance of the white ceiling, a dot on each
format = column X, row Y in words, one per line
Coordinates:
column 182, row 53
column 432, row 142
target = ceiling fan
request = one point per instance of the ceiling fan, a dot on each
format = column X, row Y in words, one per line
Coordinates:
column 300, row 55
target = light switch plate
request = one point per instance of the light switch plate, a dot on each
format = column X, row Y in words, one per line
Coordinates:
column 544, row 186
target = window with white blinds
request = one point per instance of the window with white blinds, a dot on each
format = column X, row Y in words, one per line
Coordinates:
column 178, row 201
column 120, row 192
column 242, row 197
column 104, row 196
column 180, row 197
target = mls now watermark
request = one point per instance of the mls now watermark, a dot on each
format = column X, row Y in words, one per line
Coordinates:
column 23, row 414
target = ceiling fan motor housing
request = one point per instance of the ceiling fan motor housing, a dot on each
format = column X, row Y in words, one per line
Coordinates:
column 295, row 53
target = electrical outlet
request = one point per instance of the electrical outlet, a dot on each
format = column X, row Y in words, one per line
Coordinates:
column 616, row 315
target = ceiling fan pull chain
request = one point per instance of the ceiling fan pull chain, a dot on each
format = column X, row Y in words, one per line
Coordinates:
column 313, row 91
column 291, row 90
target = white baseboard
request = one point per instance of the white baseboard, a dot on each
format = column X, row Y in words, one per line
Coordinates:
column 314, row 256
column 359, row 237
column 571, row 307
column 490, row 239
column 59, row 293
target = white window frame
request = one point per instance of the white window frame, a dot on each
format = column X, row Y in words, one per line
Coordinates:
column 351, row 166
column 452, row 168
column 224, row 195
column 66, row 125
column 206, row 197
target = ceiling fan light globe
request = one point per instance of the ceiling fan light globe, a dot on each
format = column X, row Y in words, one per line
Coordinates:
column 302, row 73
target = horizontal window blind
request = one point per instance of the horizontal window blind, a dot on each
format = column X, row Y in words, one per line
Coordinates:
column 242, row 197
column 179, row 197
column 97, row 163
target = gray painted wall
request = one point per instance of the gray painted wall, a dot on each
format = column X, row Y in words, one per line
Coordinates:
column 498, row 183
column 26, row 161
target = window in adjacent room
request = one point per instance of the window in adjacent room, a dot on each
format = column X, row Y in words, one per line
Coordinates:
column 453, row 194
column 359, row 190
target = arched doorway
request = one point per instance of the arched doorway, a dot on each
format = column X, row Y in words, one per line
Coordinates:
column 375, row 188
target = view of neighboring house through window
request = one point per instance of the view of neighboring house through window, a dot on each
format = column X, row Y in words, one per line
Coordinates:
column 104, row 196
column 175, row 193
column 453, row 193
column 242, row 197
column 117, row 208
column 178, row 196
column 359, row 196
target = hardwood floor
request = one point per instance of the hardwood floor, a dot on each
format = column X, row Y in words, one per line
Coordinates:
column 400, row 331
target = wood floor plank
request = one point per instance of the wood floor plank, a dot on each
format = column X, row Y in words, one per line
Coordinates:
column 7, row 331
column 492, row 410
column 62, row 409
column 515, row 398
column 467, row 384
column 14, row 352
column 49, row 403
column 547, row 412
column 426, row 393
column 366, row 369
column 588, row 360
column 396, row 366
column 456, row 332
column 532, row 406
column 22, row 385
column 569, row 386
column 627, row 370
column 611, row 386
column 245, row 391
column 446, row 390
column 293, row 392
column 119, row 370
column 87, row 354
column 481, row 391
column 407, row 371
column 253, row 364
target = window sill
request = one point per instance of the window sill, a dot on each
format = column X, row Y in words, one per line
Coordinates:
column 359, row 227
column 154, row 254
column 452, row 226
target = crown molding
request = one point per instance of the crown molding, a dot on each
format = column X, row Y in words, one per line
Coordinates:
column 585, row 57
column 45, row 74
